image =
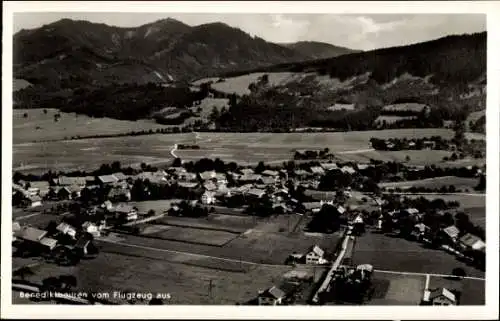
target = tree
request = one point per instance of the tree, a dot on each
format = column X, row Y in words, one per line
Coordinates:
column 459, row 272
column 45, row 111
column 23, row 272
column 151, row 213
column 481, row 186
column 177, row 162
column 407, row 158
column 214, row 114
column 25, row 115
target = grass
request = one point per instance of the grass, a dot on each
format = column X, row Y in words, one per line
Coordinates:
column 405, row 256
column 459, row 183
column 473, row 291
column 40, row 126
column 159, row 206
column 417, row 157
column 187, row 284
column 392, row 289
column 240, row 147
column 195, row 235
column 213, row 221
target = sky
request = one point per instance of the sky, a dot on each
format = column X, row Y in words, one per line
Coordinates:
column 355, row 31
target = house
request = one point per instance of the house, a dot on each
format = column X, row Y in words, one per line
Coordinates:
column 40, row 188
column 300, row 173
column 120, row 176
column 255, row 193
column 31, row 234
column 247, row 171
column 92, row 228
column 270, row 173
column 107, row 179
column 315, row 256
column 210, row 186
column 317, row 170
column 188, row 185
column 67, row 181
column 118, row 194
column 66, row 229
column 419, row 231
column 328, row 166
column 441, row 296
column 69, row 192
column 48, row 243
column 450, row 234
column 429, row 144
column 249, row 178
column 208, row 198
column 271, row 296
column 267, row 180
column 34, row 201
column 472, row 242
column 107, row 205
column 90, row 180
column 348, row 170
column 125, row 212
column 207, row 175
column 186, row 177
column 220, row 179
column 312, row 206
column 362, row 167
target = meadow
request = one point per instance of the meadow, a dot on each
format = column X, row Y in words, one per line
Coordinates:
column 240, row 147
column 437, row 182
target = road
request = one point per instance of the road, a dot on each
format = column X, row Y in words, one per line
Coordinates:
column 458, row 194
column 172, row 151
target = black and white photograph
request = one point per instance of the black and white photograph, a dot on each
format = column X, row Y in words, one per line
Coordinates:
column 232, row 158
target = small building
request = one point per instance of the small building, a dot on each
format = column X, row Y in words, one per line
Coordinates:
column 300, row 173
column 207, row 175
column 48, row 243
column 66, row 229
column 267, row 180
column 441, row 296
column 255, row 193
column 208, row 198
column 315, row 256
column 348, row 170
column 118, row 194
column 270, row 173
column 120, row 176
column 317, row 170
column 34, row 201
column 210, row 186
column 69, row 192
column 271, row 296
column 450, row 234
column 329, row 166
column 186, row 176
column 68, row 181
column 247, row 171
column 107, row 179
column 126, row 212
column 92, row 229
column 249, row 178
column 40, row 188
column 312, row 206
column 472, row 242
column 419, row 231
column 108, row 205
column 188, row 185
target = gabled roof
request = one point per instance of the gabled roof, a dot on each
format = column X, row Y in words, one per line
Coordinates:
column 269, row 172
column 107, row 179
column 329, row 166
column 442, row 292
column 49, row 242
column 209, row 186
column 30, row 233
column 64, row 228
column 472, row 241
column 120, row 176
column 274, row 293
column 317, row 250
column 452, row 231
column 348, row 169
column 317, row 170
column 247, row 171
column 256, row 192
column 207, row 175
column 65, row 180
column 124, row 208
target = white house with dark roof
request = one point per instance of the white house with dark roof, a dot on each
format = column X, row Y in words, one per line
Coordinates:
column 315, row 256
column 271, row 296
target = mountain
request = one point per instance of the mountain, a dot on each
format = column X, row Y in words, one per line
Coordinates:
column 69, row 54
column 318, row 50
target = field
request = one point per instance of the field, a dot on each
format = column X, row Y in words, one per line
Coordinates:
column 473, row 291
column 240, row 147
column 405, row 256
column 473, row 205
column 394, row 289
column 40, row 126
column 194, row 235
column 159, row 206
column 234, row 224
column 187, row 284
column 417, row 157
column 459, row 183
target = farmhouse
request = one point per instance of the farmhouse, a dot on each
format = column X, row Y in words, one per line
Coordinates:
column 31, row 234
column 208, row 198
column 471, row 242
column 207, row 175
column 118, row 194
column 186, row 177
column 69, row 192
column 34, row 201
column 66, row 229
column 67, row 181
column 250, row 178
column 328, row 166
column 91, row 228
column 300, row 173
column 255, row 193
column 247, row 171
column 107, row 179
column 120, row 176
column 210, row 186
column 317, row 170
column 271, row 173
column 348, row 170
column 107, row 205
column 450, row 234
column 429, row 144
column 441, row 296
column 40, row 188
column 315, row 256
column 419, row 231
column 271, row 296
column 125, row 212
column 48, row 243
column 267, row 180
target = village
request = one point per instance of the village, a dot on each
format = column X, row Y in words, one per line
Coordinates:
column 331, row 197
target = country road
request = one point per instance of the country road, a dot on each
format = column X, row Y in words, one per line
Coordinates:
column 458, row 194
column 172, row 151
